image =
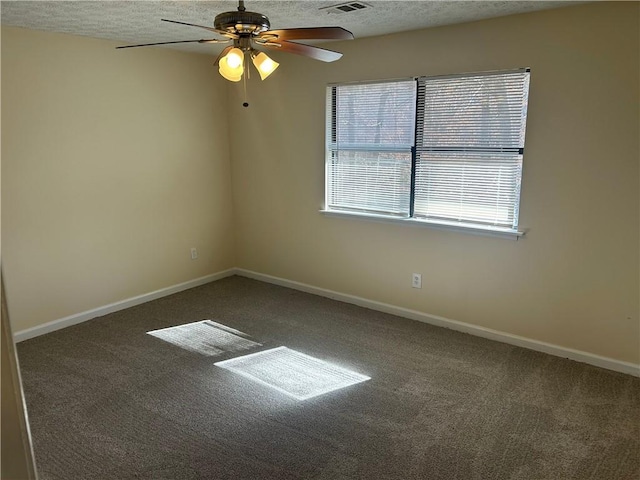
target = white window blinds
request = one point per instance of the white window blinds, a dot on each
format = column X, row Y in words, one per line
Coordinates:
column 444, row 150
column 370, row 135
column 469, row 146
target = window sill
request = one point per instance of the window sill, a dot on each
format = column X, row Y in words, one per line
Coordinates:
column 454, row 227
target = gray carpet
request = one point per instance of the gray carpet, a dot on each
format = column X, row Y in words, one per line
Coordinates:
column 108, row 401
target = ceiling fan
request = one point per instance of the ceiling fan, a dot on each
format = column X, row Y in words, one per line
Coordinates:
column 250, row 29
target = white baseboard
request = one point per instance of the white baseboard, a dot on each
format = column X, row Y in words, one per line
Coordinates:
column 114, row 307
column 557, row 350
column 577, row 355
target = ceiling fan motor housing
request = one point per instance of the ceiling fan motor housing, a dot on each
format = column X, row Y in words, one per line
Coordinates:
column 240, row 22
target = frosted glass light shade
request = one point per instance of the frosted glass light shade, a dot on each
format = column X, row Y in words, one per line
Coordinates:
column 230, row 75
column 234, row 58
column 265, row 65
column 231, row 65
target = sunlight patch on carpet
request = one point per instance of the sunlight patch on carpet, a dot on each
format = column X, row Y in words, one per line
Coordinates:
column 205, row 337
column 292, row 373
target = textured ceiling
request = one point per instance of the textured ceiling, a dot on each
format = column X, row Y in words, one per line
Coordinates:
column 139, row 21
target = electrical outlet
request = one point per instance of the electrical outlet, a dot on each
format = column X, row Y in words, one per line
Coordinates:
column 194, row 253
column 416, row 280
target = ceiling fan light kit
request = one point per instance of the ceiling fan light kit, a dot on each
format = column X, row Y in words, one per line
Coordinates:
column 231, row 66
column 265, row 65
column 250, row 29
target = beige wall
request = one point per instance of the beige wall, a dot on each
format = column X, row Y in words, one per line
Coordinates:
column 114, row 164
column 572, row 281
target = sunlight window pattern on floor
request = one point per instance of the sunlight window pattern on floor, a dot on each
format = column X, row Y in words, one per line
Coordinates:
column 293, row 373
column 206, row 337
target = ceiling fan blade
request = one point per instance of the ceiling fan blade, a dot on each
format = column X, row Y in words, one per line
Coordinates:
column 213, row 40
column 222, row 54
column 211, row 29
column 311, row 33
column 316, row 53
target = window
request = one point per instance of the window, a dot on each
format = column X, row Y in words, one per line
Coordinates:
column 441, row 150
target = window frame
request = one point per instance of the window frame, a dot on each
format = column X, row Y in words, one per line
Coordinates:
column 396, row 148
column 441, row 224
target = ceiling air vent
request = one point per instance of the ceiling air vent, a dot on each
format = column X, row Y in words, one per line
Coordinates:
column 346, row 7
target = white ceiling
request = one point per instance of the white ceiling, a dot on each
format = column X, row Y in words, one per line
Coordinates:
column 133, row 22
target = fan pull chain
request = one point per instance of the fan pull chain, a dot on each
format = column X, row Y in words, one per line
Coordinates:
column 244, row 81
